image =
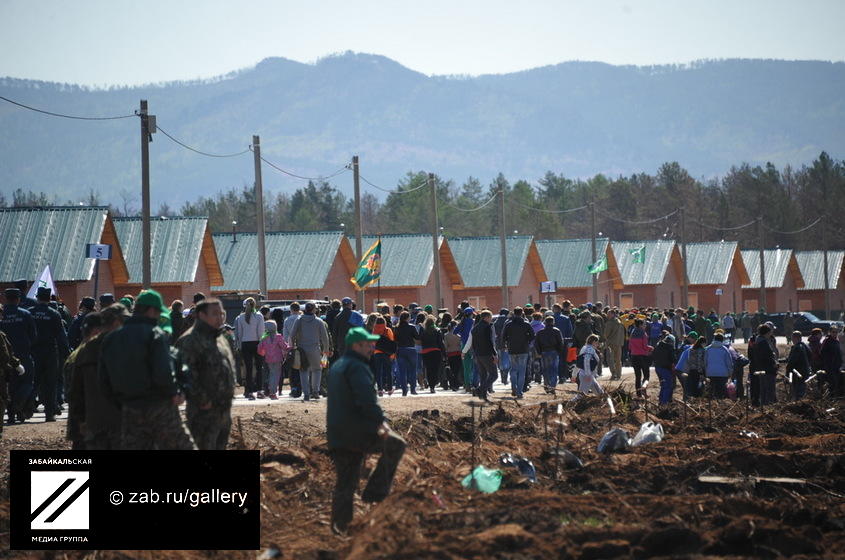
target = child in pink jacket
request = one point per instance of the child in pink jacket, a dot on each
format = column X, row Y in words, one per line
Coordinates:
column 274, row 349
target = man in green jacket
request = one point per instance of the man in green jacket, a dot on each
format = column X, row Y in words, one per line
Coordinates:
column 136, row 370
column 356, row 426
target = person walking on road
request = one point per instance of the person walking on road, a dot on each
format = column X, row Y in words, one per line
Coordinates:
column 517, row 340
column 549, row 344
column 310, row 337
column 249, row 328
column 355, row 426
column 614, row 336
column 482, row 341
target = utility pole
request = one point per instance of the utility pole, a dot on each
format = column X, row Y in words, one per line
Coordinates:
column 147, row 128
column 435, row 242
column 359, row 228
column 259, row 219
column 685, row 279
column 826, row 272
column 503, row 248
column 762, row 266
column 595, row 277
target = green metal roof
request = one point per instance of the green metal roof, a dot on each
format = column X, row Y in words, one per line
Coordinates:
column 479, row 259
column 811, row 264
column 295, row 260
column 406, row 260
column 710, row 263
column 176, row 243
column 657, row 255
column 566, row 260
column 777, row 264
column 35, row 237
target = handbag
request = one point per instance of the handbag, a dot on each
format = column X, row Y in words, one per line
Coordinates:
column 300, row 359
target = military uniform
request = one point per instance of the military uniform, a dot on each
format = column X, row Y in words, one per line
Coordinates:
column 136, row 370
column 8, row 370
column 90, row 406
column 75, row 417
column 211, row 364
column 20, row 329
column 49, row 349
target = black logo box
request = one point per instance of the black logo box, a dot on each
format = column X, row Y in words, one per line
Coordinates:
column 145, row 526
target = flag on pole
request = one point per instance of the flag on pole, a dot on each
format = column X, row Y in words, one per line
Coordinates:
column 598, row 266
column 44, row 281
column 369, row 269
column 638, row 254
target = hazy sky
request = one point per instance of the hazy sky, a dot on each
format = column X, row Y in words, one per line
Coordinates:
column 120, row 42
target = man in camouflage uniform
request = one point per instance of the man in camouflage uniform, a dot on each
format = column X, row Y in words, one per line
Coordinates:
column 10, row 367
column 136, row 370
column 89, row 327
column 207, row 354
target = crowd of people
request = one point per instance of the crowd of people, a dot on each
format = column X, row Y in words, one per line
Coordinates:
column 123, row 367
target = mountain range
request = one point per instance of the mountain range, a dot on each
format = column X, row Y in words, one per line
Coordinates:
column 574, row 118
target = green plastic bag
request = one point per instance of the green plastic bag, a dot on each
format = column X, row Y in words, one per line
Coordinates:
column 483, row 479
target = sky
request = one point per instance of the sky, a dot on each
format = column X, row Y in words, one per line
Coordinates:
column 118, row 42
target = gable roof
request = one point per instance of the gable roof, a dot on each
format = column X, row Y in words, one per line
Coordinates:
column 710, row 263
column 778, row 263
column 811, row 265
column 479, row 260
column 295, row 260
column 657, row 256
column 177, row 244
column 35, row 237
column 407, row 259
column 566, row 261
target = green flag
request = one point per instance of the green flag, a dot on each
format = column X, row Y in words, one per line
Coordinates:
column 369, row 269
column 638, row 254
column 598, row 266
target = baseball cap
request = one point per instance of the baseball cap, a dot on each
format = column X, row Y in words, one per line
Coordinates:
column 108, row 299
column 88, row 302
column 150, row 298
column 345, row 301
column 12, row 292
column 469, row 311
column 43, row 293
column 692, row 334
column 428, row 309
column 358, row 334
column 414, row 306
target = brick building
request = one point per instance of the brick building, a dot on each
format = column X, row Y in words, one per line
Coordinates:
column 566, row 261
column 783, row 279
column 716, row 275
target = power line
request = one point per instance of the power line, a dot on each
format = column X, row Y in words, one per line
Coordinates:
column 743, row 226
column 636, row 222
column 391, row 191
column 343, row 169
column 567, row 211
column 52, row 114
column 803, row 229
column 202, row 153
column 477, row 208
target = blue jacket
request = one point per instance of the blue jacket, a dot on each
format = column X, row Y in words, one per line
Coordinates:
column 717, row 360
column 682, row 360
column 564, row 324
column 463, row 329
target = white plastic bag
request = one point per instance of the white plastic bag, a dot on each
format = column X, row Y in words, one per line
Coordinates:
column 649, row 433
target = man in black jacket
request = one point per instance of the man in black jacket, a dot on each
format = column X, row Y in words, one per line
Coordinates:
column 504, row 358
column 136, row 369
column 763, row 358
column 549, row 344
column 484, row 352
column 798, row 361
column 517, row 340
column 19, row 327
column 340, row 327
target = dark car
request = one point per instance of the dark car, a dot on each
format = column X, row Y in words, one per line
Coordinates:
column 804, row 322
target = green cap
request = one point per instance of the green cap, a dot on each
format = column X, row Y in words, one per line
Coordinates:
column 358, row 334
column 692, row 334
column 152, row 298
column 429, row 309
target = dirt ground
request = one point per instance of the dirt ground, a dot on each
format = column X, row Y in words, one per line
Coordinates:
column 648, row 502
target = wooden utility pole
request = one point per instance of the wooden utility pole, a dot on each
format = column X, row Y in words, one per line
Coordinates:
column 259, row 219
column 826, row 272
column 146, row 250
column 435, row 243
column 503, row 248
column 359, row 228
column 762, row 305
column 595, row 277
column 685, row 279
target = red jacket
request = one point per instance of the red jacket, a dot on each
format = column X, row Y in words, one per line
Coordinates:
column 638, row 343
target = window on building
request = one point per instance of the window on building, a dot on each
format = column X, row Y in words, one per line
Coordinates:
column 752, row 305
column 477, row 302
column 626, row 301
column 692, row 300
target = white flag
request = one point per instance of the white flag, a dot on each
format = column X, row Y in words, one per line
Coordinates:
column 44, row 281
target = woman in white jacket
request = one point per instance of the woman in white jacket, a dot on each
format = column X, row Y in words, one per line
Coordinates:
column 591, row 369
column 249, row 328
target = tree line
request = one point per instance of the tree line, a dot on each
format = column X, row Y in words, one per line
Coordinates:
column 787, row 199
